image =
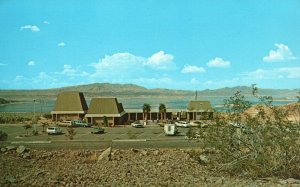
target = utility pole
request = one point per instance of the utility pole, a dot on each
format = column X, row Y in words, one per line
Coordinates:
column 34, row 124
column 196, row 96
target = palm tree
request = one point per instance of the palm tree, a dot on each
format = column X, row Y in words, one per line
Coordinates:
column 162, row 110
column 146, row 110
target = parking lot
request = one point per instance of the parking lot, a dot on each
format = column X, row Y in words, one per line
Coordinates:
column 121, row 137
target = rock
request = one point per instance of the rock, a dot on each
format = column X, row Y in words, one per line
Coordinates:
column 293, row 181
column 21, row 149
column 3, row 149
column 160, row 163
column 203, row 159
column 134, row 150
column 11, row 147
column 144, row 152
column 156, row 152
column 282, row 182
column 27, row 155
column 105, row 155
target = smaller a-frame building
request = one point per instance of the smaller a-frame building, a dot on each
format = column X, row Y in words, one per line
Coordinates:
column 108, row 107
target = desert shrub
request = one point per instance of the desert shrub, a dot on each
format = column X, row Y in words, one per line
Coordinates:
column 263, row 145
column 15, row 118
column 47, row 116
column 35, row 132
column 27, row 127
column 3, row 136
column 71, row 133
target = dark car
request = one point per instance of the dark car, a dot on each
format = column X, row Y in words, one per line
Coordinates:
column 98, row 130
column 79, row 123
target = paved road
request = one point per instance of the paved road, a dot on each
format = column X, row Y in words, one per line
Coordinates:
column 119, row 137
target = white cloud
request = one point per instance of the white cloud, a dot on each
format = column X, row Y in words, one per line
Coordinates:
column 160, row 60
column 61, row 44
column 219, row 63
column 125, row 67
column 282, row 53
column 33, row 28
column 192, row 69
column 277, row 73
column 1, row 64
column 31, row 63
column 46, row 22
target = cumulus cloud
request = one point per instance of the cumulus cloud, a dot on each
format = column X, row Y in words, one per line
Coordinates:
column 31, row 63
column 160, row 60
column 192, row 69
column 218, row 63
column 282, row 53
column 33, row 28
column 121, row 67
column 61, row 44
column 46, row 22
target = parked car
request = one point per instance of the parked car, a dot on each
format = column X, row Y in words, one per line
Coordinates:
column 98, row 130
column 198, row 124
column 137, row 124
column 65, row 123
column 53, row 130
column 170, row 129
column 244, row 129
column 79, row 123
column 182, row 124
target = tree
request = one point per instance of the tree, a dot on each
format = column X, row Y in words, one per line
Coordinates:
column 44, row 125
column 26, row 127
column 105, row 121
column 146, row 110
column 162, row 110
column 71, row 133
column 298, row 97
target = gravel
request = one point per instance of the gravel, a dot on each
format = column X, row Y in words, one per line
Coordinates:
column 132, row 167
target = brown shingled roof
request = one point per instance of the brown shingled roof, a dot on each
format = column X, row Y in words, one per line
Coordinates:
column 199, row 106
column 70, row 101
column 103, row 105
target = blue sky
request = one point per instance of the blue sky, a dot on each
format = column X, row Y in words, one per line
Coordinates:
column 153, row 43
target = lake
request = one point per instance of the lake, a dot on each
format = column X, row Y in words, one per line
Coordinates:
column 136, row 103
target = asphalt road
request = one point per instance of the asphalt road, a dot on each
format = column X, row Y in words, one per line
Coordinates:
column 118, row 137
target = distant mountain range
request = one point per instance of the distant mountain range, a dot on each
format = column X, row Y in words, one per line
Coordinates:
column 135, row 91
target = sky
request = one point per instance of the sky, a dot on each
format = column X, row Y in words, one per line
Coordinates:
column 173, row 44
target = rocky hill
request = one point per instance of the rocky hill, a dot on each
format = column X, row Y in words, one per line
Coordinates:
column 135, row 91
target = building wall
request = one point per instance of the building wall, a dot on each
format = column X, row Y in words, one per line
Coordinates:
column 111, row 120
column 67, row 117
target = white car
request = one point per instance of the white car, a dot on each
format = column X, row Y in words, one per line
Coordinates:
column 137, row 124
column 54, row 130
column 198, row 124
column 182, row 124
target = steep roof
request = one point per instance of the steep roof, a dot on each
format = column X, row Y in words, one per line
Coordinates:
column 199, row 106
column 105, row 106
column 70, row 102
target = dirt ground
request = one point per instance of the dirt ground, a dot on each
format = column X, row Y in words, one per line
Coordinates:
column 131, row 167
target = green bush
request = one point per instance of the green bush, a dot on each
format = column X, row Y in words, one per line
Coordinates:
column 263, row 145
column 47, row 116
column 3, row 136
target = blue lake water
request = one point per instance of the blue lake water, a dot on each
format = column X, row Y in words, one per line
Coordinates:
column 136, row 103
